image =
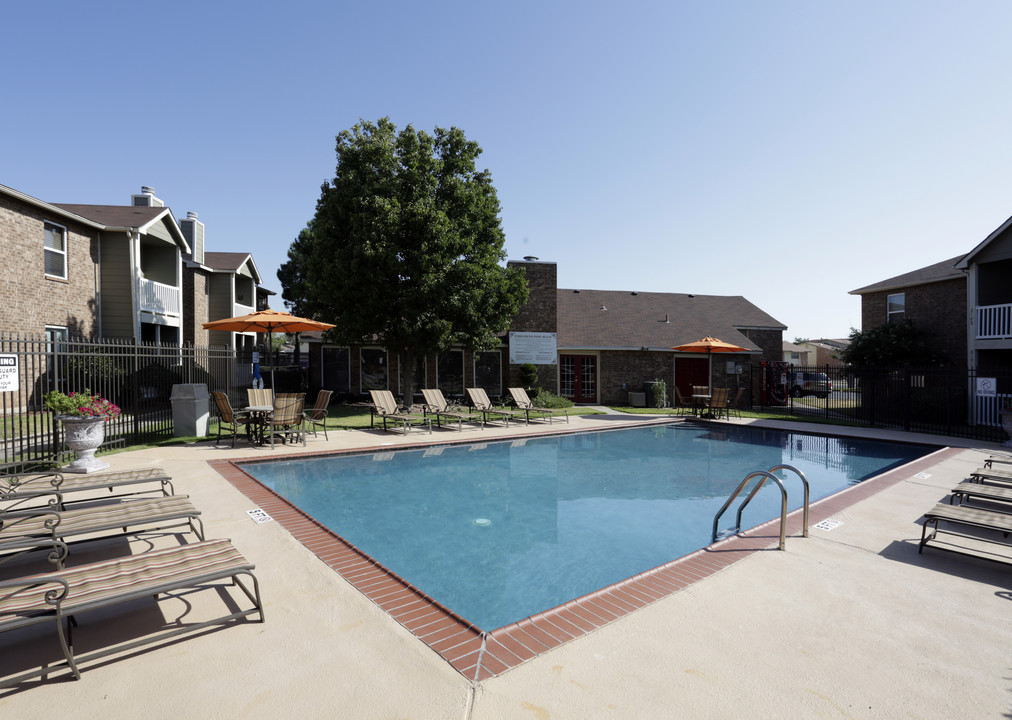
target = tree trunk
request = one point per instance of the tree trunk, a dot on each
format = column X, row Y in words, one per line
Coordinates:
column 409, row 376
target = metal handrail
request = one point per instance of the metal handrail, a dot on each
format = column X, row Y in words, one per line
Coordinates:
column 783, row 503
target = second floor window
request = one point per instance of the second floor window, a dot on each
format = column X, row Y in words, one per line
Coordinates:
column 895, row 307
column 55, row 242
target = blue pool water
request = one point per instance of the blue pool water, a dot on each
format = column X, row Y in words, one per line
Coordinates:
column 502, row 530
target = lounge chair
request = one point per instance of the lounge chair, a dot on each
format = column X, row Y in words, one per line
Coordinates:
column 23, row 528
column 228, row 419
column 286, row 418
column 991, row 493
column 63, row 596
column 1002, row 460
column 437, row 406
column 524, row 403
column 11, row 486
column 316, row 416
column 480, row 400
column 991, row 476
column 385, row 407
column 961, row 515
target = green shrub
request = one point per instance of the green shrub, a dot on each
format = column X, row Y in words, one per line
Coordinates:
column 543, row 398
column 529, row 375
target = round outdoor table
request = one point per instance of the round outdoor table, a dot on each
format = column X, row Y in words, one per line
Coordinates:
column 258, row 416
column 698, row 402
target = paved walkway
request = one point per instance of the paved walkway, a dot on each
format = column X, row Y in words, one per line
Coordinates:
column 849, row 623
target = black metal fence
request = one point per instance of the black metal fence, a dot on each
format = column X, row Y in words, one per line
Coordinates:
column 136, row 377
column 943, row 401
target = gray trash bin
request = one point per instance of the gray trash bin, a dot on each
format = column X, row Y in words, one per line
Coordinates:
column 190, row 409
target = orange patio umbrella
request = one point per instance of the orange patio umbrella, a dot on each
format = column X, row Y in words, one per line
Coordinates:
column 710, row 345
column 267, row 321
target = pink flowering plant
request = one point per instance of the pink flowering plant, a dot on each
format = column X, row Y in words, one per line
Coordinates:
column 80, row 404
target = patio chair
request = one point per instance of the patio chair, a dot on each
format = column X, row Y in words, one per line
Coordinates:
column 480, row 400
column 524, row 403
column 316, row 416
column 733, row 406
column 24, row 528
column 991, row 476
column 228, row 419
column 682, row 406
column 260, row 397
column 385, row 406
column 12, row 486
column 286, row 418
column 438, row 407
column 63, row 596
column 718, row 403
column 991, row 493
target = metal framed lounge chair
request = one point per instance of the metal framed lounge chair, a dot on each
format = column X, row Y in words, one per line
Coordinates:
column 119, row 484
column 228, row 419
column 969, row 517
column 489, row 413
column 23, row 528
column 316, row 416
column 286, row 419
column 61, row 597
column 992, row 476
column 384, row 406
column 991, row 493
column 437, row 406
column 524, row 403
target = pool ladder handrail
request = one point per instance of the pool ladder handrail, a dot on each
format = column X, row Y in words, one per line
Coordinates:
column 766, row 475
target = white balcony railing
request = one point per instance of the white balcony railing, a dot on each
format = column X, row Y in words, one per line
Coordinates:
column 994, row 322
column 239, row 309
column 161, row 299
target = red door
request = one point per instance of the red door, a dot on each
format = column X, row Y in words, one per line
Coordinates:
column 691, row 371
column 578, row 378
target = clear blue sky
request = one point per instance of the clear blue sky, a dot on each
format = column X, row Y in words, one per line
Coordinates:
column 784, row 151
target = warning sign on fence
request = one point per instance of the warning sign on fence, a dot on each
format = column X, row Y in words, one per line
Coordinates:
column 9, row 375
column 987, row 387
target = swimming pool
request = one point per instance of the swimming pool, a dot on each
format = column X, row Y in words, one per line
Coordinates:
column 503, row 530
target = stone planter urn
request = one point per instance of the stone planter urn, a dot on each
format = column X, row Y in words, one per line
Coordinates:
column 1006, row 425
column 84, row 436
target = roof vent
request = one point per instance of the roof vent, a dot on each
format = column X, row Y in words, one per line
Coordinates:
column 146, row 198
column 603, row 307
column 530, row 258
column 692, row 296
column 634, row 293
column 190, row 215
column 665, row 320
column 576, row 292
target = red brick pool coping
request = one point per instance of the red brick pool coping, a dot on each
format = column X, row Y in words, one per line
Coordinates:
column 479, row 656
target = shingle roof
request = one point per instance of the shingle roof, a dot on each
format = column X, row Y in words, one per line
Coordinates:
column 945, row 270
column 115, row 215
column 656, row 320
column 225, row 260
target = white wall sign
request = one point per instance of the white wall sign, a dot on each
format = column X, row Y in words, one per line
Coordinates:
column 10, row 378
column 533, row 347
column 987, row 387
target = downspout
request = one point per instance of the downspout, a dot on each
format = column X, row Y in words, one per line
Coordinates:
column 98, row 288
column 134, row 240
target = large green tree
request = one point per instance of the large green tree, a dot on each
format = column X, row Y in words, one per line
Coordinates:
column 406, row 246
column 891, row 344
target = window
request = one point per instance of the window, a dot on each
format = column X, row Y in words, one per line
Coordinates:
column 450, row 373
column 55, row 241
column 488, row 372
column 374, row 369
column 56, row 353
column 895, row 307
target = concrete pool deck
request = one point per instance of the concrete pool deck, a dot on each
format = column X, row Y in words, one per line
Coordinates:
column 847, row 623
